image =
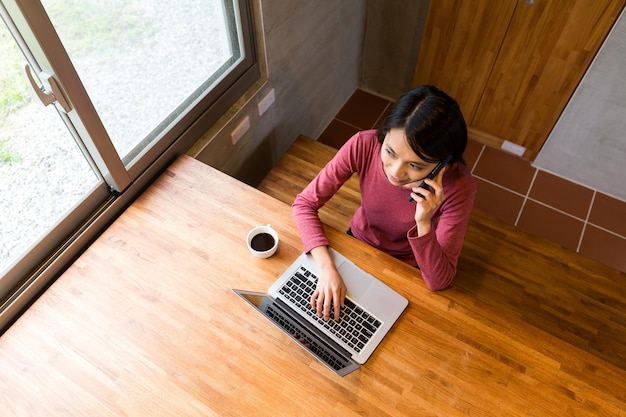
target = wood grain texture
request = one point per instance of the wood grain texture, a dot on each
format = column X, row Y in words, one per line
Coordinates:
column 460, row 45
column 547, row 50
column 145, row 324
column 512, row 66
column 298, row 167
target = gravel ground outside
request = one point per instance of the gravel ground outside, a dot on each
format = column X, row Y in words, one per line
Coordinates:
column 137, row 83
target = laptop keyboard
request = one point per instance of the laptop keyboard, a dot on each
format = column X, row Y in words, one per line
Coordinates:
column 355, row 326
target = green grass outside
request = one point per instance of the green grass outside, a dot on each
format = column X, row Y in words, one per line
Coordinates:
column 85, row 26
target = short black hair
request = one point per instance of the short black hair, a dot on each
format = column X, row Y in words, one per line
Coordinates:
column 432, row 122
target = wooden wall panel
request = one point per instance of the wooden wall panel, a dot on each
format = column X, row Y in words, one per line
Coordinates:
column 545, row 53
column 459, row 47
column 512, row 66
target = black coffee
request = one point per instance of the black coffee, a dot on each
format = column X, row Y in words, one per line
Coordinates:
column 262, row 242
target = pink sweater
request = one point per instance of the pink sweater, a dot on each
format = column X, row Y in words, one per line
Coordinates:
column 385, row 218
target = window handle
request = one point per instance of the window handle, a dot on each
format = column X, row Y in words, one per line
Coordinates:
column 49, row 92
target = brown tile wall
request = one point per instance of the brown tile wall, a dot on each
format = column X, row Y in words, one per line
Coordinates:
column 512, row 190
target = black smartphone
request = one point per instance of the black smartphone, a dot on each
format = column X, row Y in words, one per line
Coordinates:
column 432, row 175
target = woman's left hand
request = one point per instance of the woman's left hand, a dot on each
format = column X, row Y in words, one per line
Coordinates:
column 427, row 203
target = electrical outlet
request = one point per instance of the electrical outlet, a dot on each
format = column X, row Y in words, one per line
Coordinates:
column 266, row 102
column 240, row 130
column 513, row 148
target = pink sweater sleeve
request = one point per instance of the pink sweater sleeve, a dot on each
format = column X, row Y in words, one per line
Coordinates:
column 307, row 204
column 437, row 253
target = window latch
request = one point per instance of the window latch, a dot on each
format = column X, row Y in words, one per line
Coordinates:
column 49, row 92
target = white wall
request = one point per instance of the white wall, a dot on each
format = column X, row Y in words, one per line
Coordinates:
column 588, row 143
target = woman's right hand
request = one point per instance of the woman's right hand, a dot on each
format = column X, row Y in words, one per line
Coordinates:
column 330, row 286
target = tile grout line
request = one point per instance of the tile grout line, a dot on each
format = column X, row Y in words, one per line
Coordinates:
column 611, row 232
column 351, row 125
column 526, row 197
column 381, row 118
column 586, row 221
column 480, row 154
column 550, row 207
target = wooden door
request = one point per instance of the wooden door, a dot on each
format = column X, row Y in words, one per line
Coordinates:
column 460, row 45
column 543, row 53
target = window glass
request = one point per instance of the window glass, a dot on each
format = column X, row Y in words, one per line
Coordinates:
column 43, row 172
column 143, row 62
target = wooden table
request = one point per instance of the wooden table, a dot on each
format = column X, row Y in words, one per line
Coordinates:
column 145, row 324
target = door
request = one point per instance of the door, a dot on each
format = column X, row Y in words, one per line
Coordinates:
column 460, row 44
column 546, row 51
column 535, row 63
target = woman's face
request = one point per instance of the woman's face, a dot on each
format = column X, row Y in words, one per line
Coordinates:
column 401, row 165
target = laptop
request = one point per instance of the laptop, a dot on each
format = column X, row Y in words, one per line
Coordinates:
column 371, row 310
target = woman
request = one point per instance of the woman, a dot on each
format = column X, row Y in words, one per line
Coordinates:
column 423, row 128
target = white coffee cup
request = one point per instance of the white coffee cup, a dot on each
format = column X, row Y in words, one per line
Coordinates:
column 262, row 241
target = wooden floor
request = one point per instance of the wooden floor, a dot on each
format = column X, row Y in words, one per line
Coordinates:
column 576, row 299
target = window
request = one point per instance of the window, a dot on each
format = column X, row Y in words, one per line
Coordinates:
column 133, row 83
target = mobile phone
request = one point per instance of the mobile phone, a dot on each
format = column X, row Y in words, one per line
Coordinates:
column 432, row 175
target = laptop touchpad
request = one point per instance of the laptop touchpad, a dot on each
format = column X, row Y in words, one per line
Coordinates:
column 353, row 278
